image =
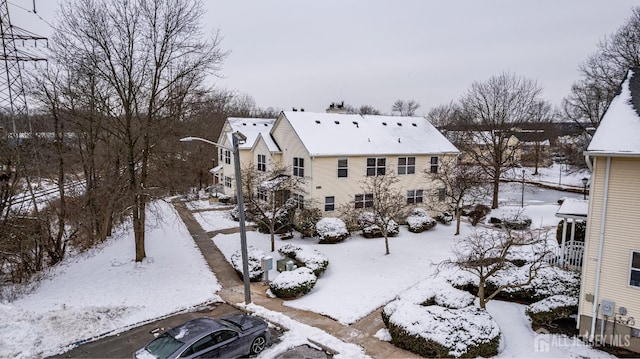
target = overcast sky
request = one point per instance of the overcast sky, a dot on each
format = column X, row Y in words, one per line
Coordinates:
column 293, row 53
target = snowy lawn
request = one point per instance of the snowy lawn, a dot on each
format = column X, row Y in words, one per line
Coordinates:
column 215, row 220
column 105, row 291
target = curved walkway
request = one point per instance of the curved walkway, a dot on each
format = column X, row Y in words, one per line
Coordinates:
column 360, row 333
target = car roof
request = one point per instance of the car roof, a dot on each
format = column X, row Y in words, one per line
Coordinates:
column 194, row 329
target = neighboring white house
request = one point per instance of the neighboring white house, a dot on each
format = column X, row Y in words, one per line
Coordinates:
column 335, row 153
column 609, row 303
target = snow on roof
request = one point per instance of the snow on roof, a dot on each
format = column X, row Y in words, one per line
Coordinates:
column 619, row 129
column 252, row 128
column 330, row 134
column 573, row 208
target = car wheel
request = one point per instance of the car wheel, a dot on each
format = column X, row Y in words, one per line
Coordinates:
column 258, row 344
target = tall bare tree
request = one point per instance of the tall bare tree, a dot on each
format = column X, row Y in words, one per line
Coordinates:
column 271, row 197
column 149, row 57
column 462, row 184
column 603, row 72
column 491, row 109
column 443, row 115
column 405, row 108
column 388, row 202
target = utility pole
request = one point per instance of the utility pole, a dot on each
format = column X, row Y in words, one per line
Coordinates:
column 13, row 101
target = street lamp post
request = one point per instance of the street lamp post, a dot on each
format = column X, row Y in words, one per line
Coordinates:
column 238, row 138
column 585, row 180
column 522, row 200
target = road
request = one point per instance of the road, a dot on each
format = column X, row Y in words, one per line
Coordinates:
column 125, row 344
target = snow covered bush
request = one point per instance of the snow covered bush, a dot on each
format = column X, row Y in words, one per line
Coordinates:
column 436, row 332
column 419, row 221
column 518, row 223
column 293, row 284
column 544, row 312
column 549, row 281
column 445, row 217
column 282, row 221
column 367, row 224
column 308, row 257
column 254, row 260
column 306, row 221
column 331, row 230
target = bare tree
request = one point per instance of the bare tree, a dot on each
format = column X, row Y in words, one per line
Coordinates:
column 388, row 202
column 149, row 57
column 368, row 110
column 443, row 115
column 489, row 254
column 491, row 110
column 405, row 108
column 542, row 115
column 462, row 184
column 603, row 72
column 271, row 197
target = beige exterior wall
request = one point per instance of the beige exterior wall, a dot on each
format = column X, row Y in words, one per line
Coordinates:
column 621, row 237
column 327, row 183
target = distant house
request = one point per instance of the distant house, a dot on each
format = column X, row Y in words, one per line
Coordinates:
column 609, row 300
column 477, row 146
column 534, row 147
column 336, row 152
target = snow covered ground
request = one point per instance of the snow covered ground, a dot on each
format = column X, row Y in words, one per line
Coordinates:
column 105, row 291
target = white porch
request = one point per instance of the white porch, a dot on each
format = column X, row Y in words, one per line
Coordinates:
column 569, row 254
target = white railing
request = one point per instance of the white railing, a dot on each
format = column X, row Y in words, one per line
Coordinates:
column 570, row 259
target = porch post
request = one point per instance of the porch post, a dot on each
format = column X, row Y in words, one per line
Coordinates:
column 562, row 245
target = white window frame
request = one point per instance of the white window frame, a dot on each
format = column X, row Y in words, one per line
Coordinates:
column 344, row 168
column 298, row 166
column 633, row 269
column 299, row 200
column 262, row 163
column 406, row 168
column 434, row 165
column 227, row 157
column 329, row 202
column 378, row 168
column 363, row 200
column 227, row 181
column 415, row 196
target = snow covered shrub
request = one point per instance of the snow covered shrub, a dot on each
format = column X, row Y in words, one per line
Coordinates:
column 437, row 332
column 477, row 213
column 254, row 260
column 544, row 312
column 419, row 221
column 306, row 221
column 308, row 257
column 549, row 281
column 282, row 221
column 445, row 217
column 518, row 223
column 293, row 284
column 367, row 224
column 331, row 230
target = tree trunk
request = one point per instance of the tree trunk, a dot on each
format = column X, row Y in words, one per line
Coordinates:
column 458, row 215
column 496, row 188
column 386, row 244
column 481, row 299
column 138, row 227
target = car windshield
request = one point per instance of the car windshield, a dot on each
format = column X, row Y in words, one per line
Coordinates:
column 163, row 346
column 230, row 324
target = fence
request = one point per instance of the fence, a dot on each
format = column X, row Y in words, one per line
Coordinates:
column 570, row 259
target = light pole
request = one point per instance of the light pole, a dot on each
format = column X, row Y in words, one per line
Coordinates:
column 238, row 138
column 522, row 200
column 585, row 180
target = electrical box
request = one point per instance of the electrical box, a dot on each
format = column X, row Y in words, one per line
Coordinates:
column 286, row 264
column 606, row 308
column 266, row 263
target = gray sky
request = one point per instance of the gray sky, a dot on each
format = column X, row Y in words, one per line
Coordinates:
column 293, row 53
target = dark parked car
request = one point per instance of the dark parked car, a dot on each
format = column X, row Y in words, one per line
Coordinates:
column 226, row 337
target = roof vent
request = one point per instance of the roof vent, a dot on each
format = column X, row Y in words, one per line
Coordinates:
column 356, row 123
column 384, row 124
column 337, row 122
column 414, row 125
column 244, row 124
column 317, row 121
column 266, row 125
column 398, row 139
column 399, row 123
column 255, row 124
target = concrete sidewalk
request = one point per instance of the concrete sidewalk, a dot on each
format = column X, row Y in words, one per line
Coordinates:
column 360, row 333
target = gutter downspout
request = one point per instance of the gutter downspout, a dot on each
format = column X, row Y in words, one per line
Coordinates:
column 594, row 315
